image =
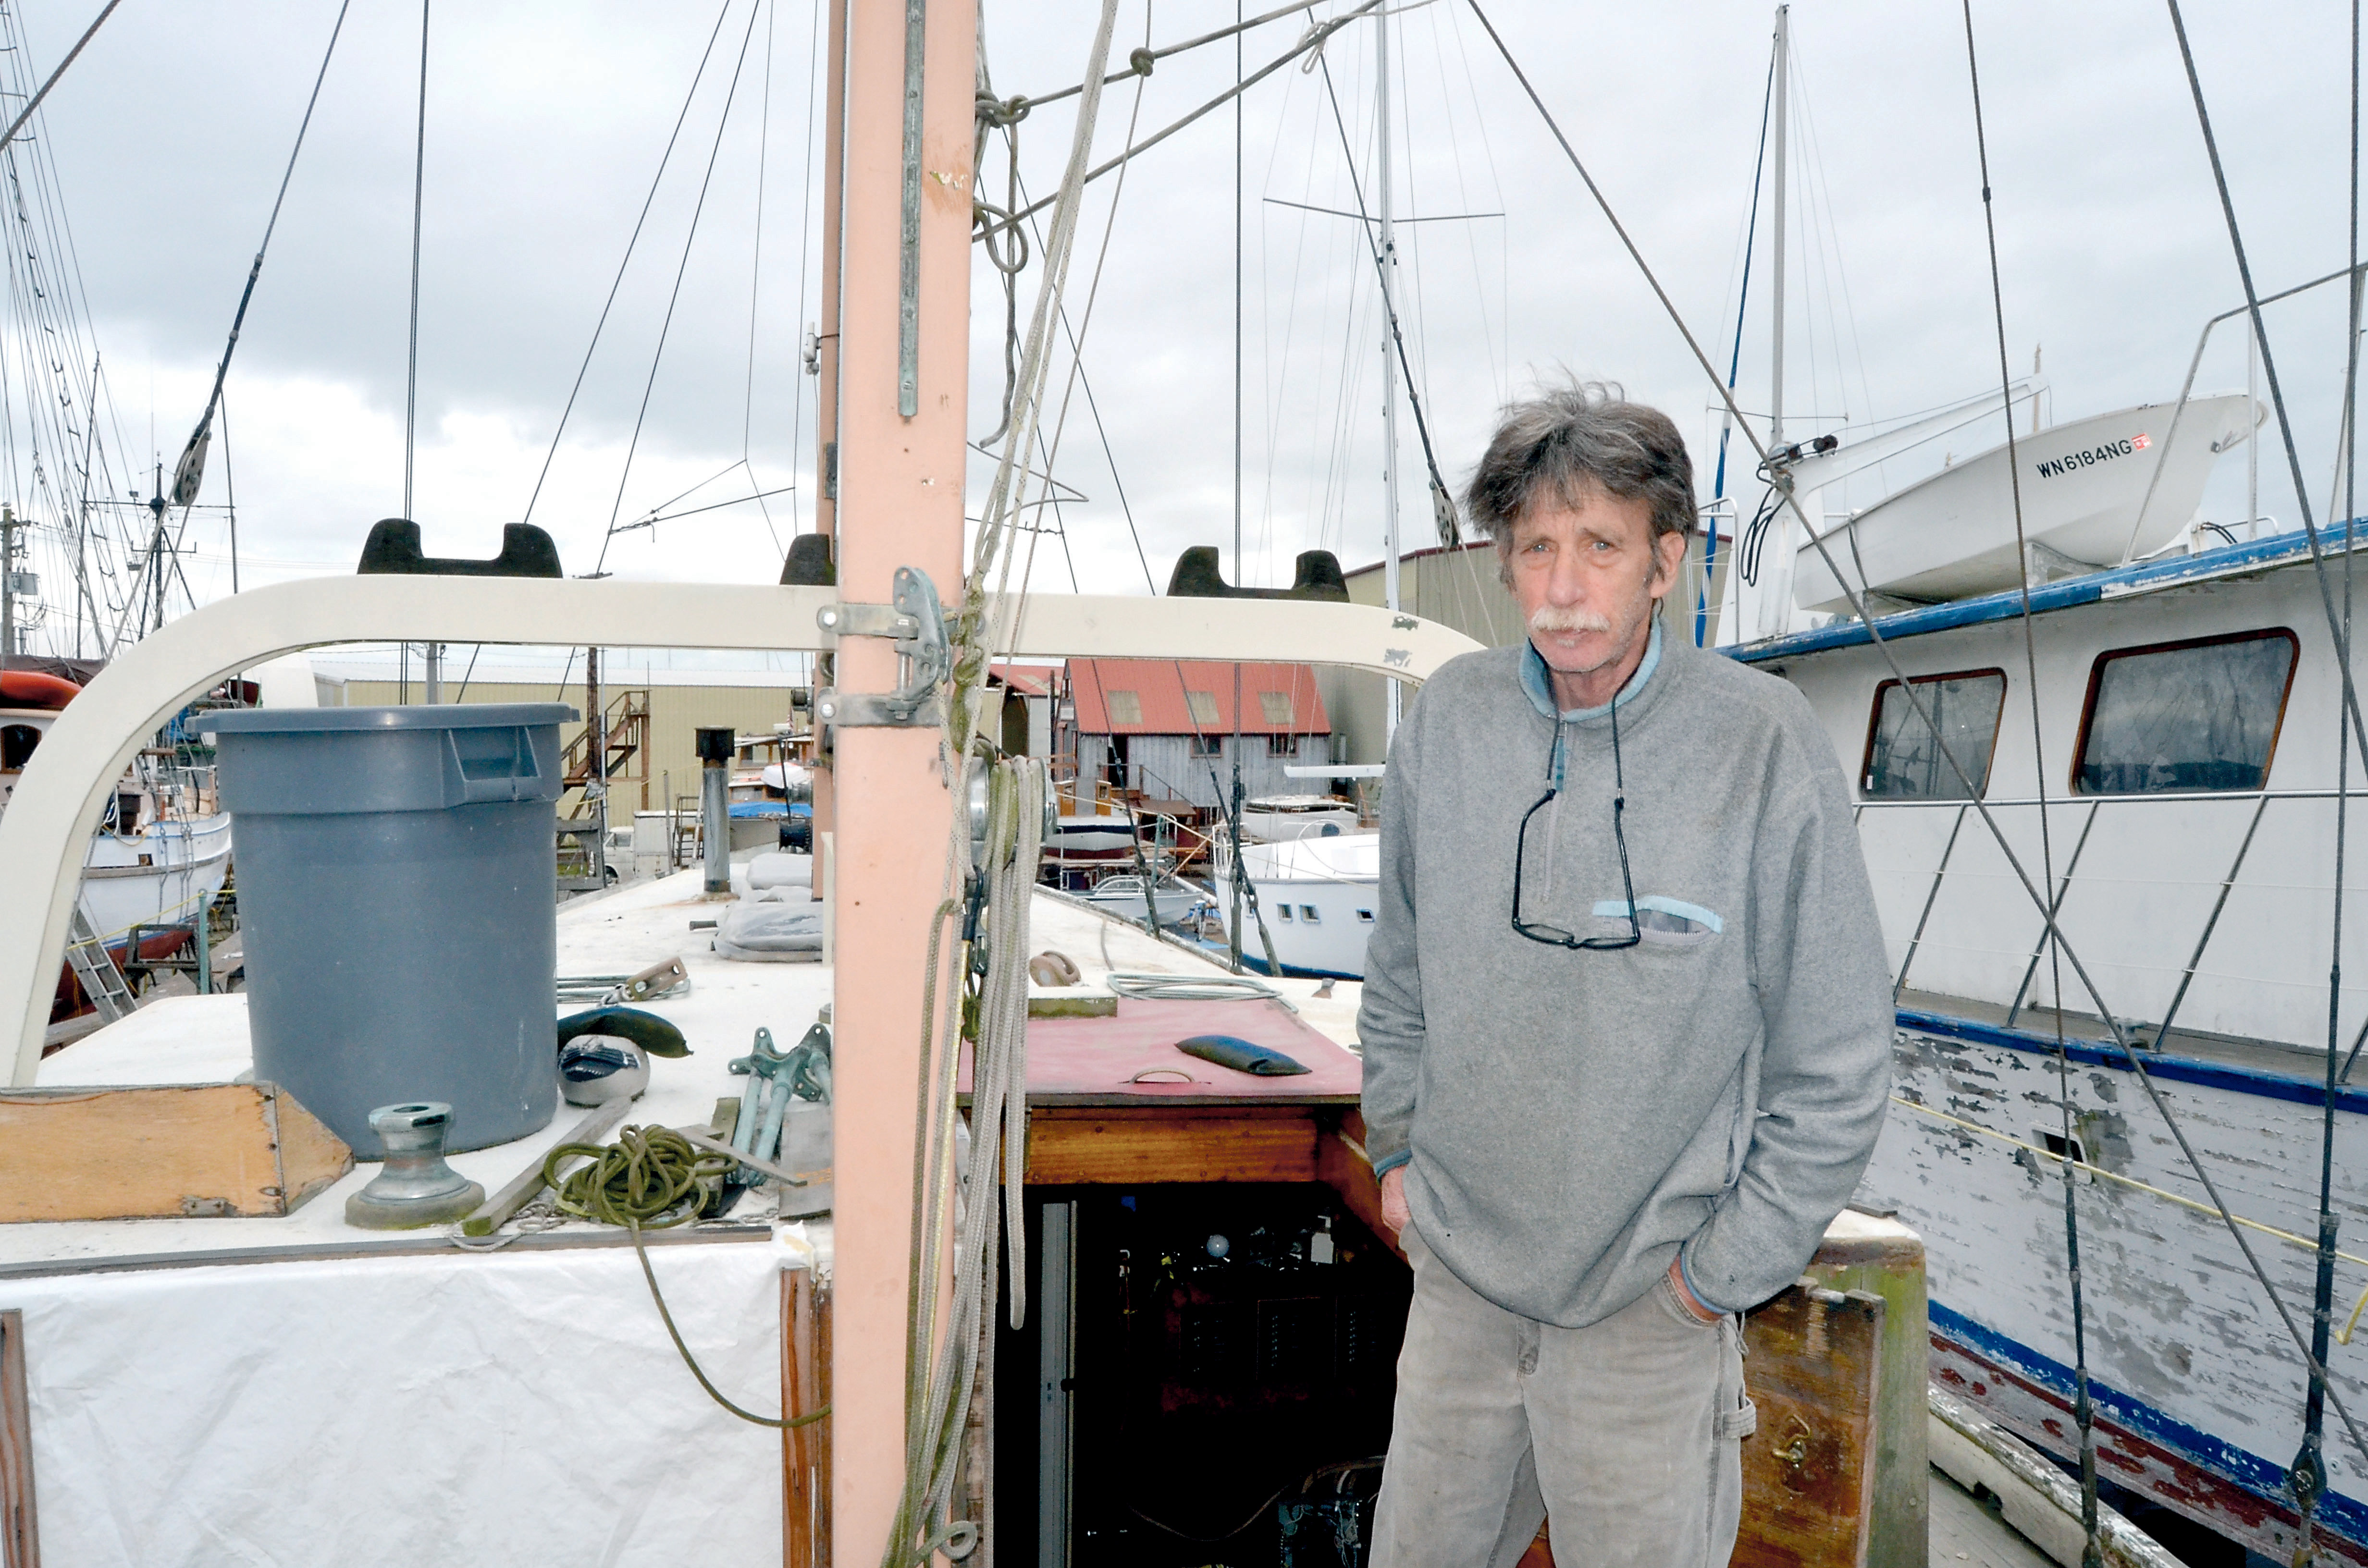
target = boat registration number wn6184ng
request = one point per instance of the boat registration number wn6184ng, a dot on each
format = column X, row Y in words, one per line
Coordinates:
column 2093, row 456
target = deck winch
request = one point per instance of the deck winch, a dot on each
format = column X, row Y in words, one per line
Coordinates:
column 417, row 1188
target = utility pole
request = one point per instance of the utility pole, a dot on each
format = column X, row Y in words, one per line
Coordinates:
column 8, row 527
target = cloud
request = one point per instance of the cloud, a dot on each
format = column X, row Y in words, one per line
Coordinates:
column 545, row 128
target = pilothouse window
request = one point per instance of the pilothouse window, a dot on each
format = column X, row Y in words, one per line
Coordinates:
column 16, row 744
column 1902, row 762
column 2197, row 715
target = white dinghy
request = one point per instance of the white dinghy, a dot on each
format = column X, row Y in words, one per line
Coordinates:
column 2109, row 488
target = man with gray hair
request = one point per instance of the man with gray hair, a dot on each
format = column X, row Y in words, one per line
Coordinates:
column 1626, row 1023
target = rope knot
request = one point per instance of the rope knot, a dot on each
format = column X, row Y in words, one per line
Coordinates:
column 1141, row 61
column 995, row 224
column 1003, row 112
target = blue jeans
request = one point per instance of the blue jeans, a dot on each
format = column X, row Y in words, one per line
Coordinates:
column 1627, row 1433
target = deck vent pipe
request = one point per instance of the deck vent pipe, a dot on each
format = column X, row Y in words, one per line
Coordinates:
column 714, row 746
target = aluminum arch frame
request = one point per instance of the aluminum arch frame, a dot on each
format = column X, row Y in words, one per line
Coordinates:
column 45, row 829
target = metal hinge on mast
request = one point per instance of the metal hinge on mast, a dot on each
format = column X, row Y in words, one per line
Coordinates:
column 916, row 623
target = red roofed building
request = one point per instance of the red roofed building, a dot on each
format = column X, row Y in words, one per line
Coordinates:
column 1166, row 727
column 1027, row 695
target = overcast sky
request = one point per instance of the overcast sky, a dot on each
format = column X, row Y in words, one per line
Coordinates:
column 546, row 124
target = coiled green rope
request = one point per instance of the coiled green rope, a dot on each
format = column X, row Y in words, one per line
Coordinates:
column 653, row 1179
column 647, row 1178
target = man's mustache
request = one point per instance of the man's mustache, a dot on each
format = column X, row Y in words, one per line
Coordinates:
column 1547, row 619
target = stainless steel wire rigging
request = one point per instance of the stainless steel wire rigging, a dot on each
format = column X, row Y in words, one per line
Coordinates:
column 2084, row 1414
column 418, row 205
column 631, row 241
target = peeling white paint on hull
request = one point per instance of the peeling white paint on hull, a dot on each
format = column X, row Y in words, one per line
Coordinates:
column 2198, row 1387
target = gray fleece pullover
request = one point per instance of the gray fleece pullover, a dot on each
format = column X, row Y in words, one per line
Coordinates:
column 1571, row 1119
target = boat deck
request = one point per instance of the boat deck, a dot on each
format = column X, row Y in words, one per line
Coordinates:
column 302, row 1347
column 2036, row 1028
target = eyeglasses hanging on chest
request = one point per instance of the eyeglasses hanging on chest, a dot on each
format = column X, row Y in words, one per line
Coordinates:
column 1555, row 935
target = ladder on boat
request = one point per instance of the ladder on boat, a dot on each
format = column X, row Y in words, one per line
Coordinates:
column 93, row 966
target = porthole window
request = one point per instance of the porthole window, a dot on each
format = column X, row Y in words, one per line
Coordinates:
column 1902, row 760
column 2178, row 716
column 1307, row 915
column 1283, row 910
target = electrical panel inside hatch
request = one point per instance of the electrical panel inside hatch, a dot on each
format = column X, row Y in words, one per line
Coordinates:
column 1231, row 1354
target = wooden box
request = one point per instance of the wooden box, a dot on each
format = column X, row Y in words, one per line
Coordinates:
column 162, row 1152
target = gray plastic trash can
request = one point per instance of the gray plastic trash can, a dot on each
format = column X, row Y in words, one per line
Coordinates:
column 395, row 885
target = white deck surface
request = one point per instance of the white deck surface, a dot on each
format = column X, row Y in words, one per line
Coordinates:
column 295, row 1391
column 195, row 1040
column 485, row 1369
column 200, row 1039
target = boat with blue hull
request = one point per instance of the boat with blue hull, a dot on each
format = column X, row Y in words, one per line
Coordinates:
column 2185, row 770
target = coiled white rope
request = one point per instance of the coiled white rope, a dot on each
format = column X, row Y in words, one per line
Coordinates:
column 1195, row 988
column 940, row 1372
column 937, row 1409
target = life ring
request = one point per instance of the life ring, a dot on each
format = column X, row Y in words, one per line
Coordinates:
column 31, row 688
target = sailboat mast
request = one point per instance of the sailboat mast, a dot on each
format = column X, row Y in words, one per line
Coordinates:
column 159, row 556
column 1776, row 272
column 1389, row 345
column 904, row 91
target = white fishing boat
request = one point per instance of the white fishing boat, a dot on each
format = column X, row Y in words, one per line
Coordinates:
column 2108, row 488
column 2185, row 785
column 159, row 854
column 1172, row 903
column 1085, row 839
column 87, row 568
column 2073, row 700
column 1278, row 818
column 157, row 872
column 1315, row 897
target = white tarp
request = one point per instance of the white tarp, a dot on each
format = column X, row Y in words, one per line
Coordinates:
column 770, row 932
column 509, row 1408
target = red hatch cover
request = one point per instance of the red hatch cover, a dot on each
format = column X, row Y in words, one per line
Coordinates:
column 1099, row 1060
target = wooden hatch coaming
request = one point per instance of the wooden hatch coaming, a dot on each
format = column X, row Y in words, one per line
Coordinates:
column 1835, row 1476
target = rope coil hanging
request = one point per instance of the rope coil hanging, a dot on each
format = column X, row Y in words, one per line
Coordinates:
column 956, row 1195
column 651, row 1178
